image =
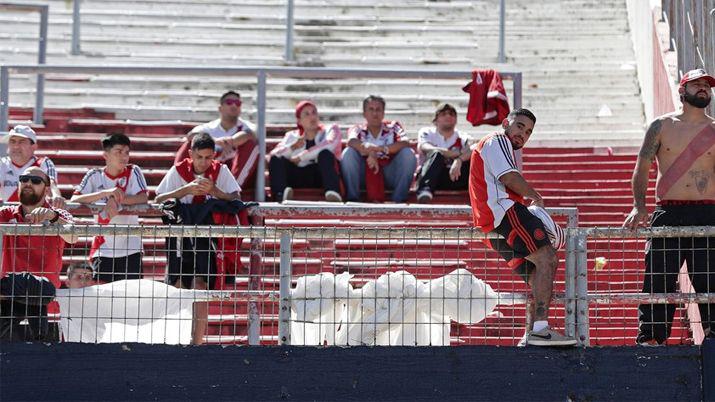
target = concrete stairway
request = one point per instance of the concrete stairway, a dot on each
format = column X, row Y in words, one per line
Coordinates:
column 576, row 56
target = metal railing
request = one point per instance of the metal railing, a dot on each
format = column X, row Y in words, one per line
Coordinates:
column 289, row 54
column 261, row 73
column 43, row 9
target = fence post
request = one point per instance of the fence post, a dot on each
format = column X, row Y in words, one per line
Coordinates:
column 76, row 23
column 289, row 55
column 260, row 191
column 582, row 288
column 41, row 58
column 4, row 98
column 255, row 270
column 285, row 284
column 571, row 279
column 502, row 17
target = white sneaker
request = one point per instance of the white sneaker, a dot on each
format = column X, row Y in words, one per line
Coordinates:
column 287, row 194
column 424, row 197
column 549, row 337
column 333, row 196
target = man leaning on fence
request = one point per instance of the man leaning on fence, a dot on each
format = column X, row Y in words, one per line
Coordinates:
column 235, row 138
column 114, row 256
column 498, row 194
column 21, row 146
column 38, row 255
column 683, row 145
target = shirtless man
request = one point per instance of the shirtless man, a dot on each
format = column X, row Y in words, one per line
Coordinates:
column 683, row 145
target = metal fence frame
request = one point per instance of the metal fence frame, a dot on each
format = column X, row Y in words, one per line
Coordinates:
column 262, row 74
column 43, row 9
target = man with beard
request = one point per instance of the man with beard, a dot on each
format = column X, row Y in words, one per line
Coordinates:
column 683, row 145
column 38, row 255
column 498, row 194
column 21, row 146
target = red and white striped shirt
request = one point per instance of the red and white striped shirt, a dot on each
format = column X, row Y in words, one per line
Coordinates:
column 391, row 132
column 490, row 199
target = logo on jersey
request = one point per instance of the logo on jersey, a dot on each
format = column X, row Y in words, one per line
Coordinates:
column 539, row 234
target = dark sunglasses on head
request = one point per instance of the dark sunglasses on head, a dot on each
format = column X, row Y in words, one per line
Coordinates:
column 34, row 179
column 236, row 102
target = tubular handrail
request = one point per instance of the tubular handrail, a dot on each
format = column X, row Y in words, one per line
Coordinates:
column 43, row 9
column 261, row 73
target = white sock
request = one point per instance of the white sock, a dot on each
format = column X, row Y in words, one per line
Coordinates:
column 539, row 325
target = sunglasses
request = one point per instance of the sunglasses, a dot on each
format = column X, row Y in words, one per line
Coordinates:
column 36, row 180
column 229, row 102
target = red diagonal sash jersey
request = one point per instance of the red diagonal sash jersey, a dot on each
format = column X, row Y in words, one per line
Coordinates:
column 490, row 199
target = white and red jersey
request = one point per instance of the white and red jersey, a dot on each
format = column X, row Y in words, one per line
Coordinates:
column 490, row 199
column 131, row 180
column 327, row 138
column 182, row 174
column 10, row 175
column 390, row 133
column 458, row 141
column 216, row 130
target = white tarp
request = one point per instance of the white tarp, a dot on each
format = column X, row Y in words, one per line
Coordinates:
column 137, row 310
column 394, row 309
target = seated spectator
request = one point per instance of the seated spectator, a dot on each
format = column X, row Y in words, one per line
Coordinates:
column 118, row 183
column 199, row 181
column 306, row 157
column 445, row 155
column 235, row 139
column 378, row 156
column 79, row 276
column 21, row 146
column 24, row 296
column 37, row 255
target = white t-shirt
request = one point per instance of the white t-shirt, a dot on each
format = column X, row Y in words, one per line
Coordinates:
column 173, row 180
column 10, row 173
column 216, row 131
column 133, row 182
column 456, row 142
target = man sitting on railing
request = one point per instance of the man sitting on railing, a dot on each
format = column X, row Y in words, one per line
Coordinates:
column 198, row 181
column 115, row 257
column 21, row 146
column 38, row 255
column 307, row 157
column 235, row 139
column 445, row 155
column 683, row 145
column 378, row 156
column 498, row 193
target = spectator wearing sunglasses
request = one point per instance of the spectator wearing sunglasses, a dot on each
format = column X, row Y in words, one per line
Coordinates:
column 235, row 138
column 21, row 147
column 38, row 255
column 119, row 183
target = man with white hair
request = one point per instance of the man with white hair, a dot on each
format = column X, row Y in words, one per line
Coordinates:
column 21, row 146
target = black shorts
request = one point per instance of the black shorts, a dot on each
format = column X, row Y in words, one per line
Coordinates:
column 522, row 234
column 195, row 259
column 107, row 269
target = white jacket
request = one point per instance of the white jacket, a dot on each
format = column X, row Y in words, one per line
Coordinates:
column 330, row 138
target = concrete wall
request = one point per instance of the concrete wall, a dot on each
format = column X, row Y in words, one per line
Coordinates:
column 140, row 372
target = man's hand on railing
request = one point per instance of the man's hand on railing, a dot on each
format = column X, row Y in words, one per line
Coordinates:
column 637, row 217
column 41, row 214
column 57, row 202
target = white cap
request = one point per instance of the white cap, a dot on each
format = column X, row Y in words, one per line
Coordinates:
column 20, row 131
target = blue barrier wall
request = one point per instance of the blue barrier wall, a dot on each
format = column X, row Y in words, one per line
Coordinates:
column 140, row 372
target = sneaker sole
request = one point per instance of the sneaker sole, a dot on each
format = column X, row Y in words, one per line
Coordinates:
column 539, row 342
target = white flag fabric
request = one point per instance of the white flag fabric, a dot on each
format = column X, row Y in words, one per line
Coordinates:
column 394, row 309
column 137, row 310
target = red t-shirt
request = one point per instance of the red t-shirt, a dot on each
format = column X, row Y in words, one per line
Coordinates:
column 39, row 255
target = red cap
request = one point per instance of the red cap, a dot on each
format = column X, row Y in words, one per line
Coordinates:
column 697, row 74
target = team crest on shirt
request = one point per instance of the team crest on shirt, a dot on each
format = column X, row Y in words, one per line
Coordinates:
column 539, row 234
column 122, row 182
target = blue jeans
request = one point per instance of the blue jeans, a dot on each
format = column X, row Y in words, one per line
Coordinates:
column 398, row 173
